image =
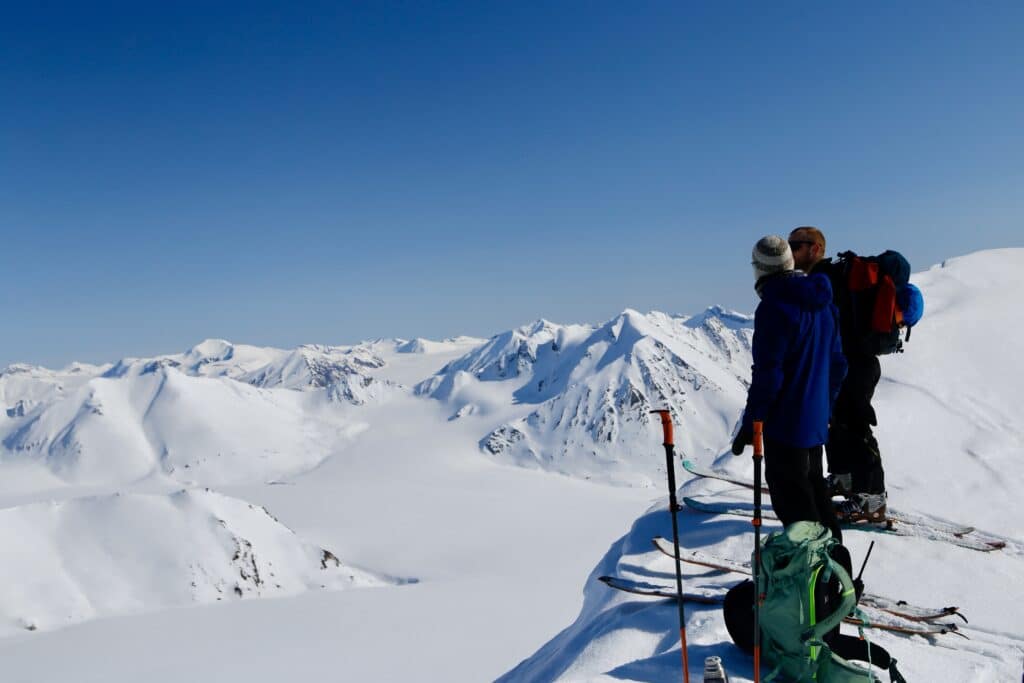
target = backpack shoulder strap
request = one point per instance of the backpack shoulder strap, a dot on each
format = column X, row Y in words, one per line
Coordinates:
column 849, row 601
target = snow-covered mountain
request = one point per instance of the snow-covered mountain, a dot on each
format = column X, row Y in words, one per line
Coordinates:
column 215, row 414
column 421, row 345
column 306, row 367
column 22, row 386
column 153, row 419
column 119, row 554
column 590, row 390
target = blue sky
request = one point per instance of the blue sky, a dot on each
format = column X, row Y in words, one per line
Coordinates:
column 326, row 173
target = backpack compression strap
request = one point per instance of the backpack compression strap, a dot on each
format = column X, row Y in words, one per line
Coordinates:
column 846, row 606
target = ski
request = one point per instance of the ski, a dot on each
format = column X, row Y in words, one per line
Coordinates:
column 894, row 514
column 892, row 527
column 900, row 608
column 875, row 619
column 660, row 591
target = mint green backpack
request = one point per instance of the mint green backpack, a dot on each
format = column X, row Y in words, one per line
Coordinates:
column 793, row 563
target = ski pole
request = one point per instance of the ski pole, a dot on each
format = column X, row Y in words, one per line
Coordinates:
column 666, row 428
column 866, row 558
column 758, row 454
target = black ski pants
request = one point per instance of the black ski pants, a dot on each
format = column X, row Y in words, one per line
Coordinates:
column 852, row 447
column 797, row 487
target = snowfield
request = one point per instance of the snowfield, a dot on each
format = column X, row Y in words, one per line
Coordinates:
column 479, row 488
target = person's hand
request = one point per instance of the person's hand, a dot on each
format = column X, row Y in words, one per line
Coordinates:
column 858, row 586
column 742, row 440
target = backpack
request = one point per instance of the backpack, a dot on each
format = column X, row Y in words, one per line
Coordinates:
column 806, row 591
column 872, row 289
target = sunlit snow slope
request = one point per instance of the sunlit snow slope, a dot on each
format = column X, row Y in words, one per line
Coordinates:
column 91, row 557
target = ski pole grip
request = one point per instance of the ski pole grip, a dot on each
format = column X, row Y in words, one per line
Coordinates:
column 666, row 425
column 758, row 438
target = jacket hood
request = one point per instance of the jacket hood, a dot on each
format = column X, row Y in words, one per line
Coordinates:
column 809, row 292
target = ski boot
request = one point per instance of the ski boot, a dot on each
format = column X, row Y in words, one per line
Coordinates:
column 862, row 507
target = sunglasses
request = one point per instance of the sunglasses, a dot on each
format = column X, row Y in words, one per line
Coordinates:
column 795, row 244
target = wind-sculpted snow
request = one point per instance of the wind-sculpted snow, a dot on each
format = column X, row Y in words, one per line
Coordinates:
column 593, row 388
column 119, row 554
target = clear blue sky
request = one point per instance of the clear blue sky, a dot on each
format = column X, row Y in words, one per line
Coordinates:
column 306, row 172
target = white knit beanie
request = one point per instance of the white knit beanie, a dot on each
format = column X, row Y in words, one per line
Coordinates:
column 771, row 255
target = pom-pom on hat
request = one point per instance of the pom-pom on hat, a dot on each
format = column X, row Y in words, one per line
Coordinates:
column 911, row 303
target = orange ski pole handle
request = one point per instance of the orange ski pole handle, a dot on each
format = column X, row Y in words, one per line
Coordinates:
column 758, row 439
column 666, row 426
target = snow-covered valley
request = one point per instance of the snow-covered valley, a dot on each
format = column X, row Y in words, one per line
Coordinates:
column 440, row 510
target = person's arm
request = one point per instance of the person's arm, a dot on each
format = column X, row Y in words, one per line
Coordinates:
column 771, row 340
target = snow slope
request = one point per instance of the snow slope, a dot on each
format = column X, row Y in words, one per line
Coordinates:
column 951, row 434
column 144, row 420
column 91, row 557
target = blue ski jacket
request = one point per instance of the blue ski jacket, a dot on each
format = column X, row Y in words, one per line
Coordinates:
column 798, row 360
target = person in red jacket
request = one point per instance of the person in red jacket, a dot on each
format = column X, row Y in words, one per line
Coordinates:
column 798, row 369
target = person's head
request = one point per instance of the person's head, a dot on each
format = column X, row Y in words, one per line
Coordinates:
column 771, row 256
column 808, row 246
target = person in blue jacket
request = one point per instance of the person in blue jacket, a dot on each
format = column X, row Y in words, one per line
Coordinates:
column 798, row 369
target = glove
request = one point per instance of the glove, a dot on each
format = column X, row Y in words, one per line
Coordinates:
column 894, row 674
column 858, row 586
column 742, row 440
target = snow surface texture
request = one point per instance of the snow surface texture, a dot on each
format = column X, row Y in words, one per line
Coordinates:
column 391, row 457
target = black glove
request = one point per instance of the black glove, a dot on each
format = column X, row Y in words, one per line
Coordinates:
column 894, row 674
column 858, row 586
column 742, row 440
